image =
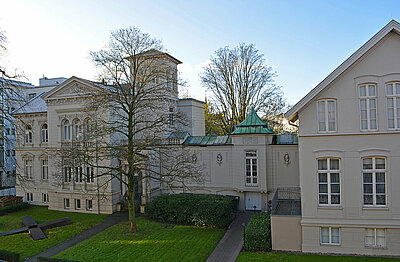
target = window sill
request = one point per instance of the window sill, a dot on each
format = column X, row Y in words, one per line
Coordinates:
column 384, row 208
column 251, row 185
column 330, row 207
column 332, row 245
column 375, row 247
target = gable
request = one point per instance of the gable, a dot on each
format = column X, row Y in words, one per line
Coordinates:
column 73, row 87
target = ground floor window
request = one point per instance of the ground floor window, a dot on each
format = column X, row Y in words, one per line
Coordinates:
column 77, row 204
column 375, row 237
column 89, row 204
column 29, row 197
column 45, row 198
column 66, row 203
column 330, row 235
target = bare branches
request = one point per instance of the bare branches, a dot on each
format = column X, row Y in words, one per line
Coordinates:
column 239, row 79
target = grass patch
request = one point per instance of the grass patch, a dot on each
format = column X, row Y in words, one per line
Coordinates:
column 153, row 242
column 277, row 257
column 24, row 245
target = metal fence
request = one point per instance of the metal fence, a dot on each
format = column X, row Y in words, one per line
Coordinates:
column 286, row 202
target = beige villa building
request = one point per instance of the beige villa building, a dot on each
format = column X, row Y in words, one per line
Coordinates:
column 333, row 188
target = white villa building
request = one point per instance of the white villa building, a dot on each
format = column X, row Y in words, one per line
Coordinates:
column 334, row 189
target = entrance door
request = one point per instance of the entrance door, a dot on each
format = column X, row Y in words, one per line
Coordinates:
column 253, row 201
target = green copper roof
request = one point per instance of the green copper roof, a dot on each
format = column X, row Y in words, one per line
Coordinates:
column 252, row 125
column 207, row 141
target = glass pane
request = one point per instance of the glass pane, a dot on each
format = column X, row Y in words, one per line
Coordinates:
column 324, row 235
column 367, row 188
column 380, row 177
column 371, row 89
column 363, row 104
column 397, row 88
column 367, row 177
column 323, row 199
column 367, row 163
column 363, row 91
column 323, row 178
column 368, row 200
column 379, row 163
column 334, row 164
column 321, row 116
column 380, row 232
column 254, row 180
column 389, row 89
column 390, row 102
column 335, row 188
column 335, row 199
column 322, row 164
column 334, row 177
column 381, row 200
column 332, row 125
column 373, row 124
column 380, row 188
column 364, row 124
column 248, row 180
column 369, row 240
column 335, row 235
column 323, row 188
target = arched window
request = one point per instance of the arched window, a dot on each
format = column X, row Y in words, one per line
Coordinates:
column 66, row 131
column 76, row 130
column 87, row 128
column 28, row 134
column 45, row 134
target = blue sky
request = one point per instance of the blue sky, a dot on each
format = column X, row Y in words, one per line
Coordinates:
column 302, row 40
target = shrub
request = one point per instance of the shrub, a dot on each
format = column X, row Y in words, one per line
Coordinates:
column 258, row 233
column 45, row 259
column 192, row 209
column 13, row 208
column 9, row 256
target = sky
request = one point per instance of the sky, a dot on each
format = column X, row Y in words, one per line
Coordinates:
column 303, row 41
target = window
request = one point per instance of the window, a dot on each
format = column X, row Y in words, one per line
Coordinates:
column 251, row 168
column 28, row 166
column 89, row 174
column 327, row 116
column 45, row 198
column 66, row 203
column 66, row 131
column 28, row 134
column 78, row 174
column 67, row 173
column 374, row 181
column 77, row 204
column 45, row 169
column 87, row 128
column 77, row 129
column 29, row 197
column 89, row 204
column 375, row 237
column 368, row 107
column 328, row 181
column 330, row 235
column 393, row 105
column 45, row 134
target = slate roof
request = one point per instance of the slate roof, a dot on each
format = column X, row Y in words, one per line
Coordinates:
column 35, row 105
column 252, row 125
column 208, row 141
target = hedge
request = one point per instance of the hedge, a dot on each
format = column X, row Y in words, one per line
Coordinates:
column 192, row 209
column 9, row 256
column 13, row 208
column 45, row 259
column 258, row 233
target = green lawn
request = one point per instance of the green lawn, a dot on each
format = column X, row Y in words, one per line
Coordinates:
column 153, row 242
column 275, row 257
column 24, row 245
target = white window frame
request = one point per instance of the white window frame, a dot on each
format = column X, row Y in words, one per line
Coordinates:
column 330, row 242
column 44, row 168
column 374, row 170
column 368, row 98
column 329, row 183
column 67, row 203
column 45, row 198
column 326, row 115
column 45, row 133
column 28, row 169
column 89, row 174
column 28, row 134
column 89, row 207
column 375, row 236
column 395, row 96
column 29, row 197
column 253, row 174
column 66, row 130
column 76, row 204
column 67, row 173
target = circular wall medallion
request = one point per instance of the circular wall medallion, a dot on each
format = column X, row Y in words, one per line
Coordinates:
column 219, row 159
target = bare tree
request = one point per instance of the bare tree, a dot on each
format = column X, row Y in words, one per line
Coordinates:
column 239, row 79
column 132, row 117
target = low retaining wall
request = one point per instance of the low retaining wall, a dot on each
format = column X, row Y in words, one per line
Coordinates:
column 286, row 233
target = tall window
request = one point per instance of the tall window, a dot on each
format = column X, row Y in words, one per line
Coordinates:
column 327, row 116
column 251, row 168
column 330, row 235
column 89, row 204
column 78, row 174
column 374, row 181
column 328, row 181
column 45, row 169
column 77, row 204
column 67, row 171
column 66, row 203
column 375, row 237
column 368, row 107
column 87, row 128
column 66, row 131
column 29, row 197
column 77, row 129
column 45, row 198
column 28, row 167
column 393, row 105
column 45, row 134
column 89, row 174
column 28, row 134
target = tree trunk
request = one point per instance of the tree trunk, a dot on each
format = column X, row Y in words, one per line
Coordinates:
column 131, row 208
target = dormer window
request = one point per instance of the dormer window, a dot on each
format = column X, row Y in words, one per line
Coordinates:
column 326, row 115
column 368, row 107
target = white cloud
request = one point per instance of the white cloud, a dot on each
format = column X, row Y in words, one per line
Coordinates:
column 203, row 64
column 185, row 68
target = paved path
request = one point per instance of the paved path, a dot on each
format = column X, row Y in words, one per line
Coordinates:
column 231, row 243
column 110, row 221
